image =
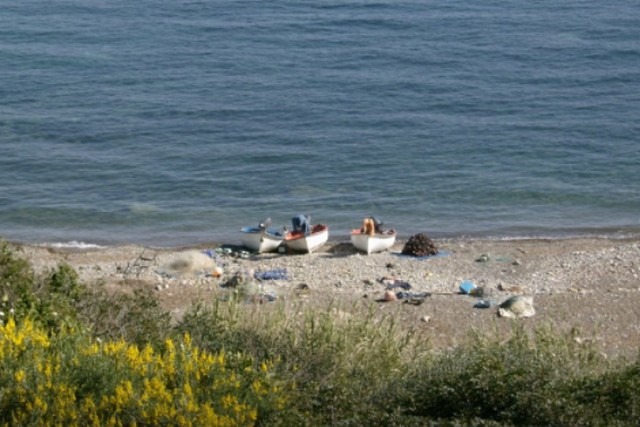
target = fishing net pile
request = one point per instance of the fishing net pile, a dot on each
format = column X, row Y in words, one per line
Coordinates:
column 419, row 245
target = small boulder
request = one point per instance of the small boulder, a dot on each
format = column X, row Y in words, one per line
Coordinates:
column 517, row 306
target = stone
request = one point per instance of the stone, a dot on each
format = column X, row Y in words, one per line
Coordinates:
column 517, row 306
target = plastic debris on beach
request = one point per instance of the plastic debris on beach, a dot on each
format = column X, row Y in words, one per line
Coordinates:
column 467, row 287
column 216, row 273
column 211, row 253
column 517, row 306
column 419, row 245
column 483, row 303
column 486, row 258
column 412, row 295
column 229, row 250
column 414, row 298
column 275, row 274
column 392, row 283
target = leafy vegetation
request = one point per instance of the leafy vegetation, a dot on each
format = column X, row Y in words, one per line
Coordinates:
column 75, row 355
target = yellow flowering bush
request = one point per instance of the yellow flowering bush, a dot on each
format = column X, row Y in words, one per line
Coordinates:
column 68, row 379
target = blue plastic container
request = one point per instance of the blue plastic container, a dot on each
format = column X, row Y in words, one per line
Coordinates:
column 466, row 287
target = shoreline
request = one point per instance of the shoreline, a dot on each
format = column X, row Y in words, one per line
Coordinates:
column 333, row 240
column 336, row 235
column 591, row 285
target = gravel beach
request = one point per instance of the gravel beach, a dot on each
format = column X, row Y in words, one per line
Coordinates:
column 589, row 285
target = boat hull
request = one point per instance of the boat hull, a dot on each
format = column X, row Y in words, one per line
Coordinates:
column 300, row 242
column 260, row 240
column 372, row 243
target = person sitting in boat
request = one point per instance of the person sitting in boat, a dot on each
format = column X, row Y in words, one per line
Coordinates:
column 371, row 226
column 368, row 227
column 301, row 223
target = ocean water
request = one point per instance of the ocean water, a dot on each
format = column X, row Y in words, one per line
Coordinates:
column 178, row 122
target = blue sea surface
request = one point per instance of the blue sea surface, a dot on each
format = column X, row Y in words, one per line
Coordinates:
column 178, row 122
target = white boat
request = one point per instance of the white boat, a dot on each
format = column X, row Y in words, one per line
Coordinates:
column 300, row 241
column 261, row 238
column 371, row 243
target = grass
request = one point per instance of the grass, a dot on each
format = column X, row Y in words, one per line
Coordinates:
column 281, row 365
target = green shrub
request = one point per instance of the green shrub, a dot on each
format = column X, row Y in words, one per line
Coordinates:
column 68, row 379
column 522, row 380
column 137, row 318
column 613, row 397
column 58, row 298
column 341, row 365
column 16, row 284
column 50, row 300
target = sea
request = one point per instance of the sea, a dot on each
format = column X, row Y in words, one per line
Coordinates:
column 177, row 122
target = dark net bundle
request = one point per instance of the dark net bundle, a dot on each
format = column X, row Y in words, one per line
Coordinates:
column 419, row 245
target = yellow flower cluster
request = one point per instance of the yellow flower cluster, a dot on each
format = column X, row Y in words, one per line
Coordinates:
column 67, row 379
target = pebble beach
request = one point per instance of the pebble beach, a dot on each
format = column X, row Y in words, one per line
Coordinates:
column 590, row 286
